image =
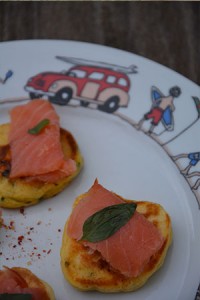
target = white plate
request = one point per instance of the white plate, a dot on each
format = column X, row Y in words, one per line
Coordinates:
column 125, row 160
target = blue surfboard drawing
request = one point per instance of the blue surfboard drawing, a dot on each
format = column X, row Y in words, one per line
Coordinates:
column 8, row 75
column 167, row 118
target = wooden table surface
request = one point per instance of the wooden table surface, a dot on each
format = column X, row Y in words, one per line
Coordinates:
column 166, row 32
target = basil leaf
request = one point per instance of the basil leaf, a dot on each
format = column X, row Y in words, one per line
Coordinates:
column 39, row 127
column 16, row 297
column 107, row 221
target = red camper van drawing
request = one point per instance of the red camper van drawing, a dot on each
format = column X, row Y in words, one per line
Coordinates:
column 105, row 84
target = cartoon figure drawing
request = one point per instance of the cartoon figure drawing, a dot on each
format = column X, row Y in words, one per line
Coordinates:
column 197, row 105
column 161, row 110
column 88, row 82
column 6, row 77
column 194, row 158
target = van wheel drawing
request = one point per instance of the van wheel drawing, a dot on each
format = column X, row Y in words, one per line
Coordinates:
column 62, row 97
column 34, row 95
column 84, row 103
column 111, row 105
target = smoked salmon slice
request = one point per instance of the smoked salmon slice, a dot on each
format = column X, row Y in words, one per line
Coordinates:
column 130, row 248
column 37, row 156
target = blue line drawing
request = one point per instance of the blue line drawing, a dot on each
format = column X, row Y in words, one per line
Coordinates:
column 8, row 75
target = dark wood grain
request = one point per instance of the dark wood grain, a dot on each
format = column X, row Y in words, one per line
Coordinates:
column 166, row 32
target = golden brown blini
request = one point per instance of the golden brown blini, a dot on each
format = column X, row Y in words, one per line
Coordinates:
column 86, row 269
column 16, row 193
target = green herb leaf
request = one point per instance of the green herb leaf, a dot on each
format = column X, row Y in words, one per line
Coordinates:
column 107, row 221
column 16, row 297
column 39, row 127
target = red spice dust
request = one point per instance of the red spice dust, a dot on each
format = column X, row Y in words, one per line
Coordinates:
column 11, row 225
column 18, row 242
column 20, row 239
column 21, row 210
